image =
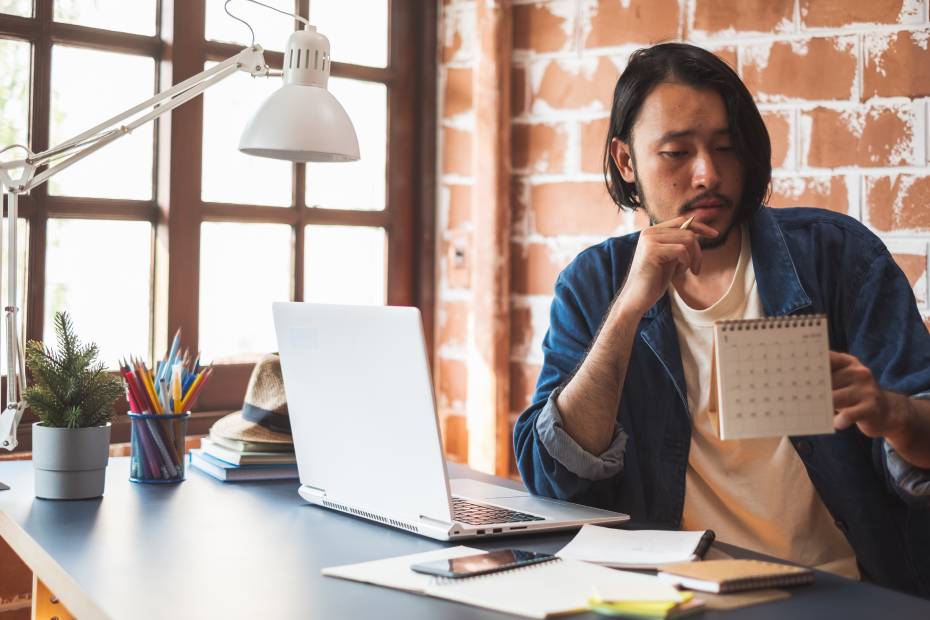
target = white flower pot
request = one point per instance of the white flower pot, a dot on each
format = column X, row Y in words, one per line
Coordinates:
column 70, row 463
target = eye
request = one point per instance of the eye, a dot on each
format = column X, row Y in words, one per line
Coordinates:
column 727, row 148
column 673, row 154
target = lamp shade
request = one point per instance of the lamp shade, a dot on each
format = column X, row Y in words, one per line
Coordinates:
column 302, row 121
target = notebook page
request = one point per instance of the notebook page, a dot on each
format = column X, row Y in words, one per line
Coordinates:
column 631, row 548
column 773, row 377
column 551, row 588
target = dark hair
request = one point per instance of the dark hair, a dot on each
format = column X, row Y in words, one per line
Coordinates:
column 687, row 64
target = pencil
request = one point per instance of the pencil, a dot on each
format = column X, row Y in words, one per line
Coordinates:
column 687, row 223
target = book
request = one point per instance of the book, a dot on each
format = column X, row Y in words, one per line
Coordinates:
column 771, row 377
column 247, row 458
column 541, row 590
column 250, row 446
column 637, row 549
column 722, row 576
column 227, row 472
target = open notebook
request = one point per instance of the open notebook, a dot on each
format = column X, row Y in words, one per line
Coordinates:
column 771, row 377
column 537, row 591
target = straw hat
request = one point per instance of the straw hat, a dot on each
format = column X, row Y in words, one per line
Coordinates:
column 263, row 417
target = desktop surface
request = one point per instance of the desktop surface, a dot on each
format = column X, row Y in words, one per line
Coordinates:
column 206, row 549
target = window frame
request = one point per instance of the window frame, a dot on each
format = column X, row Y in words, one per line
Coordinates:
column 177, row 210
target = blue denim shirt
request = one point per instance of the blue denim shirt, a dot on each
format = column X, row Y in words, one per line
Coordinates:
column 806, row 261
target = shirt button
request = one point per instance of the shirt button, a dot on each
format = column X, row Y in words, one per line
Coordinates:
column 805, row 447
column 841, row 525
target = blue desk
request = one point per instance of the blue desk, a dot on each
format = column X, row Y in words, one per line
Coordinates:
column 204, row 549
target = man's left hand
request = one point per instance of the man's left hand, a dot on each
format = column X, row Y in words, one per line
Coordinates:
column 857, row 398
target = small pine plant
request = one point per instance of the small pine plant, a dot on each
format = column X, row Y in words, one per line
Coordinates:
column 70, row 388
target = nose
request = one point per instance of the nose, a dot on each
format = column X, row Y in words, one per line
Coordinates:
column 704, row 175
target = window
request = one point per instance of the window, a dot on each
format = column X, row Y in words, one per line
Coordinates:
column 171, row 227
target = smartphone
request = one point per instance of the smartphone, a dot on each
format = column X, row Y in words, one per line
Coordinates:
column 483, row 563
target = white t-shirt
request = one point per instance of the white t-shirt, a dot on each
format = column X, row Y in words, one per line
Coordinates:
column 754, row 493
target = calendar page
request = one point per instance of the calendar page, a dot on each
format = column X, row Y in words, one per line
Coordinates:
column 773, row 377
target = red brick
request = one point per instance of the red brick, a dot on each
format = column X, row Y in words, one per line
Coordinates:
column 537, row 147
column 521, row 328
column 634, row 21
column 878, row 136
column 791, row 73
column 458, row 92
column 573, row 88
column 453, row 383
column 582, row 208
column 533, row 269
column 455, row 436
column 519, row 209
column 593, row 140
column 821, row 192
column 914, row 266
column 839, row 13
column 519, row 91
column 712, row 16
column 453, row 323
column 456, row 151
column 459, row 206
column 900, row 202
column 535, row 28
column 523, row 378
column 897, row 65
column 779, row 126
column 458, row 260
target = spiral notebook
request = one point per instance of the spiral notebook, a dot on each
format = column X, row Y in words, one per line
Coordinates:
column 722, row 576
column 771, row 377
column 537, row 591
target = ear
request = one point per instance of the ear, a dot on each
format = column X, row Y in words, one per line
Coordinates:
column 622, row 154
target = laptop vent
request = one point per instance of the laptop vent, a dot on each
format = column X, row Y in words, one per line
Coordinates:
column 370, row 515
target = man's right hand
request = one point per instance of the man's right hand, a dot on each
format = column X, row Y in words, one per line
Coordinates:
column 663, row 252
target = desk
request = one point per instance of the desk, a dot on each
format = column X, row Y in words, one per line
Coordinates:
column 204, row 549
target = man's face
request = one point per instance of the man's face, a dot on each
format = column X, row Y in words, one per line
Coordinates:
column 682, row 158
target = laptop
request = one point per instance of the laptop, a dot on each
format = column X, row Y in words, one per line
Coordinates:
column 366, row 433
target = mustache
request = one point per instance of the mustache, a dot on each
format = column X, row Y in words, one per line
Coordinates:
column 688, row 206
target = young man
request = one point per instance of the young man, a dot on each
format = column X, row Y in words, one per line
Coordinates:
column 620, row 415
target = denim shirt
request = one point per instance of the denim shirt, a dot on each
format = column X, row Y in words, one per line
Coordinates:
column 806, row 261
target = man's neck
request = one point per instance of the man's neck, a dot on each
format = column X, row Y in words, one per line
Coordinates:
column 718, row 267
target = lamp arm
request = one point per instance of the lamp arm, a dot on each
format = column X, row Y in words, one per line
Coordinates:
column 251, row 60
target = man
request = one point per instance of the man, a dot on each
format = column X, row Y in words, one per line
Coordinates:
column 620, row 415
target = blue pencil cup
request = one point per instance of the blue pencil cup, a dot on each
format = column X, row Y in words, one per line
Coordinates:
column 157, row 449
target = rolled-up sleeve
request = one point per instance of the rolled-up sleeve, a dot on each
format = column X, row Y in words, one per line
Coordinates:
column 566, row 450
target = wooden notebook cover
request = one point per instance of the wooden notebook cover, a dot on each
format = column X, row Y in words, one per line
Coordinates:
column 733, row 575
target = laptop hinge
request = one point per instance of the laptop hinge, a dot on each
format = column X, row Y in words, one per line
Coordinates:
column 315, row 490
column 439, row 522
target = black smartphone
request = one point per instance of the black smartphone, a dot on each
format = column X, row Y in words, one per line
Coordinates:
column 483, row 563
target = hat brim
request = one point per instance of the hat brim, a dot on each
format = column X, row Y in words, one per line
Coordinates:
column 235, row 427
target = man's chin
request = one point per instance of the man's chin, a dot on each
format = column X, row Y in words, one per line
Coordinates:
column 708, row 243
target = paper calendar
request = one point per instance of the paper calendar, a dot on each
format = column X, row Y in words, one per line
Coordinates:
column 771, row 377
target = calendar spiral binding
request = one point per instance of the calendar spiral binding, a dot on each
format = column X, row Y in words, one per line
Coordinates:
column 772, row 322
column 449, row 581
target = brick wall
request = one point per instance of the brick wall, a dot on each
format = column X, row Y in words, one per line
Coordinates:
column 843, row 85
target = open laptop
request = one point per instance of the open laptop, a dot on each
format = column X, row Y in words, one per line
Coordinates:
column 366, row 431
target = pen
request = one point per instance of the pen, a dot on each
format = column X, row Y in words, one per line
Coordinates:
column 687, row 223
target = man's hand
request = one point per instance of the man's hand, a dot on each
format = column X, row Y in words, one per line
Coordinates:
column 857, row 398
column 663, row 251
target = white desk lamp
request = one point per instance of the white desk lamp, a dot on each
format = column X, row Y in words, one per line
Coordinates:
column 301, row 121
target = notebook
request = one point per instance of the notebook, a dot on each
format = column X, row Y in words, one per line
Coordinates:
column 246, row 458
column 227, row 472
column 722, row 576
column 771, row 377
column 639, row 549
column 537, row 591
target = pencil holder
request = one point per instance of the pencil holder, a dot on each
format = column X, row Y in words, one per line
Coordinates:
column 157, row 447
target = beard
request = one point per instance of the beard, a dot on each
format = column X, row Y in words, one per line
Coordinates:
column 706, row 243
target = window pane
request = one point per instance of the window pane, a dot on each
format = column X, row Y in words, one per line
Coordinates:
column 22, row 240
column 354, row 40
column 345, row 265
column 14, row 97
column 243, row 268
column 137, row 16
column 100, row 272
column 271, row 28
column 228, row 175
column 360, row 184
column 23, row 8
column 85, row 93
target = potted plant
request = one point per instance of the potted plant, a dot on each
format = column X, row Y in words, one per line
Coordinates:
column 72, row 395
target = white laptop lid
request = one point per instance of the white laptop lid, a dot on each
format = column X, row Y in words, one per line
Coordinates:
column 360, row 399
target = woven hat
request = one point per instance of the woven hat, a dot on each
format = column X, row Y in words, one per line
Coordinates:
column 263, row 417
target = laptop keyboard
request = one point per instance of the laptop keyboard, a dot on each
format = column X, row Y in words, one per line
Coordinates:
column 479, row 514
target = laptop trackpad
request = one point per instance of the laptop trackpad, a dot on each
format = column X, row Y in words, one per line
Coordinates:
column 473, row 489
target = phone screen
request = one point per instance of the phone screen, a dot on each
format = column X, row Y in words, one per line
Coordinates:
column 483, row 563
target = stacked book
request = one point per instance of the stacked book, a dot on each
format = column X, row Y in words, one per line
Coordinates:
column 231, row 460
